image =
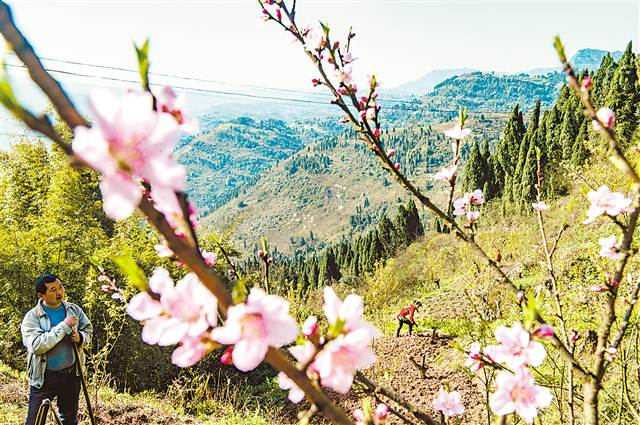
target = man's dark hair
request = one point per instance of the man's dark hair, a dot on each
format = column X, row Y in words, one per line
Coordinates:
column 40, row 282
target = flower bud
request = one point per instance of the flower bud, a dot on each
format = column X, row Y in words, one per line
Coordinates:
column 391, row 152
column 382, row 412
column 376, row 132
column 269, row 260
column 544, row 331
column 103, row 278
column 397, row 166
column 227, row 357
column 260, row 253
column 606, row 116
column 573, row 336
column 587, row 82
column 105, row 288
column 310, row 326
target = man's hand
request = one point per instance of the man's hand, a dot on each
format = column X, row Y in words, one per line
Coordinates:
column 71, row 320
column 75, row 337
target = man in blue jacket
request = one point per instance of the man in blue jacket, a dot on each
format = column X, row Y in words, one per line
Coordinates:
column 48, row 331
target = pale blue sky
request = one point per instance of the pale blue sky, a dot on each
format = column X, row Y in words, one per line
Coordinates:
column 399, row 40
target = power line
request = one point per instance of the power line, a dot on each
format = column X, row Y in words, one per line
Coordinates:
column 204, row 80
column 205, row 92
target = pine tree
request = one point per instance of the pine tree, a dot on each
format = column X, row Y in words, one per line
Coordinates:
column 474, row 170
column 528, row 178
column 568, row 132
column 580, row 152
column 623, row 96
column 328, row 269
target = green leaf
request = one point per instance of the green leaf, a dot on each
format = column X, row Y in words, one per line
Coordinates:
column 531, row 312
column 129, row 268
column 559, row 48
column 142, row 53
column 265, row 246
column 239, row 291
column 7, row 97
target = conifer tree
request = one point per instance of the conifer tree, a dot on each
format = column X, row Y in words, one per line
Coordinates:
column 568, row 132
column 623, row 96
column 474, row 170
column 580, row 152
column 328, row 269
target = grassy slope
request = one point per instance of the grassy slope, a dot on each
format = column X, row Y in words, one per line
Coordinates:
column 123, row 408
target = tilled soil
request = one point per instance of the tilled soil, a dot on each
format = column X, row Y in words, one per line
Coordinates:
column 395, row 371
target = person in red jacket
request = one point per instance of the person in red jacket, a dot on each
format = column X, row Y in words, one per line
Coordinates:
column 406, row 316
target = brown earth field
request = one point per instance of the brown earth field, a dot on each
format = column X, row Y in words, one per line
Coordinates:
column 394, row 370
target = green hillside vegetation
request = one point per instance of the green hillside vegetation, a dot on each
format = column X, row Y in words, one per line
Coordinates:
column 480, row 91
column 225, row 158
column 333, row 188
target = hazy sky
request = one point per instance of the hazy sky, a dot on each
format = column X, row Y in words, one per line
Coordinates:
column 399, row 40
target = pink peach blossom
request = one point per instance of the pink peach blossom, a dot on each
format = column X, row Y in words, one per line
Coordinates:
column 163, row 250
column 609, row 247
column 448, row 403
column 262, row 322
column 473, row 216
column 605, row 202
column 131, row 141
column 518, row 393
column 457, row 132
column 168, row 101
column 446, row 173
column 303, row 354
column 338, row 361
column 474, row 357
column 516, row 348
column 539, row 206
column 346, row 315
column 460, row 207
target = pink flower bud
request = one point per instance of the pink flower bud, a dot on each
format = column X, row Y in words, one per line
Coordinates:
column 343, row 91
column 269, row 260
column 382, row 412
column 359, row 416
column 599, row 289
column 343, row 120
column 260, row 253
column 227, row 357
column 611, row 354
column 544, row 331
column 376, row 132
column 374, row 95
column 606, row 116
column 520, row 297
column 103, row 278
column 573, row 336
column 587, row 82
column 316, row 82
column 336, row 45
column 397, row 166
column 105, row 288
column 310, row 326
column 391, row 152
column 279, row 14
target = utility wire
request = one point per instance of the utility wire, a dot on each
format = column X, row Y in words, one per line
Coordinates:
column 201, row 91
column 222, row 92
